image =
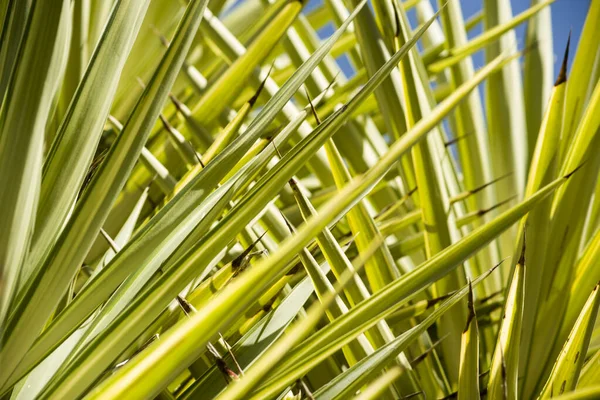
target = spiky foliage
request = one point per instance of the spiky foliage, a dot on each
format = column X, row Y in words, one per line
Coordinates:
column 198, row 203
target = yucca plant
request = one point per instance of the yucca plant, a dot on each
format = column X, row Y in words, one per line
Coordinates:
column 197, row 202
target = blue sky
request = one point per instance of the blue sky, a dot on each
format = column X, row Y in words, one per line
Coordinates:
column 566, row 15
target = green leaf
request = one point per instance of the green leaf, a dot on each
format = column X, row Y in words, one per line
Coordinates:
column 590, row 373
column 227, row 135
column 583, row 282
column 473, row 148
column 544, row 167
column 114, row 387
column 135, row 283
column 504, row 370
column 356, row 350
column 45, row 288
column 374, row 57
column 538, row 73
column 166, row 230
column 432, row 199
column 352, row 379
column 380, row 269
column 26, row 108
column 356, row 291
column 100, row 11
column 37, row 378
column 217, row 33
column 565, row 373
column 428, row 272
column 164, row 180
column 13, row 28
column 468, row 375
column 568, row 207
column 505, row 104
column 300, row 330
column 396, row 153
column 146, row 307
column 589, row 393
column 79, row 55
column 158, row 302
column 264, row 273
column 376, row 389
column 495, row 31
column 229, row 84
column 579, row 90
column 254, row 343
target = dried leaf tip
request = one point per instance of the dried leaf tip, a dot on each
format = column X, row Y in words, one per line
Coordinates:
column 457, row 139
column 411, row 191
column 254, row 98
column 412, row 395
column 239, row 261
column 422, row 356
column 312, row 107
column 186, row 306
column 165, row 123
column 289, row 225
column 489, row 272
column 562, row 75
column 522, row 256
column 182, row 108
column 396, row 20
column 471, row 307
column 433, row 302
column 484, row 211
column 200, row 160
column 568, row 175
